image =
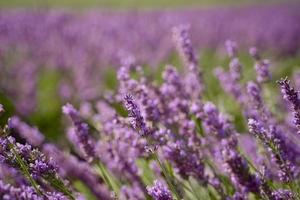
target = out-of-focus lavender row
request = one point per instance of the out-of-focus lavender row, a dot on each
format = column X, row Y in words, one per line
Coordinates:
column 66, row 38
column 81, row 44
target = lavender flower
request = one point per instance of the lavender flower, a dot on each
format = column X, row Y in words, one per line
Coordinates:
column 239, row 196
column 133, row 192
column 31, row 134
column 216, row 122
column 275, row 147
column 254, row 92
column 8, row 192
column 159, row 191
column 137, row 120
column 11, row 175
column 292, row 97
column 235, row 69
column 70, row 166
column 186, row 160
column 81, row 135
column 42, row 166
column 238, row 168
column 261, row 66
column 35, row 167
column 283, row 194
column 193, row 79
column 262, row 71
column 229, row 82
column 184, row 46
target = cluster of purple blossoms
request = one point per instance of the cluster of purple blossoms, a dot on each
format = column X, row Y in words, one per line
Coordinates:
column 159, row 192
column 34, row 168
column 9, row 192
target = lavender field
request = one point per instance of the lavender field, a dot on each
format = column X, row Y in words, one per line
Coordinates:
column 163, row 104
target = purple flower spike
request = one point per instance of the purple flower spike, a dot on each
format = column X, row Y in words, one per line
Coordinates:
column 43, row 166
column 184, row 46
column 262, row 71
column 235, row 69
column 261, row 66
column 194, row 81
column 274, row 145
column 81, row 132
column 31, row 134
column 159, row 191
column 292, row 97
column 137, row 120
column 215, row 122
column 254, row 92
column 70, row 166
column 69, row 110
column 186, row 160
column 238, row 168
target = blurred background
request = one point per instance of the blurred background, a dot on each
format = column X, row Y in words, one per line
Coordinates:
column 131, row 4
column 58, row 51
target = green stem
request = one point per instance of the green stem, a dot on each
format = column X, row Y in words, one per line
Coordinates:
column 104, row 176
column 59, row 185
column 195, row 193
column 168, row 177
